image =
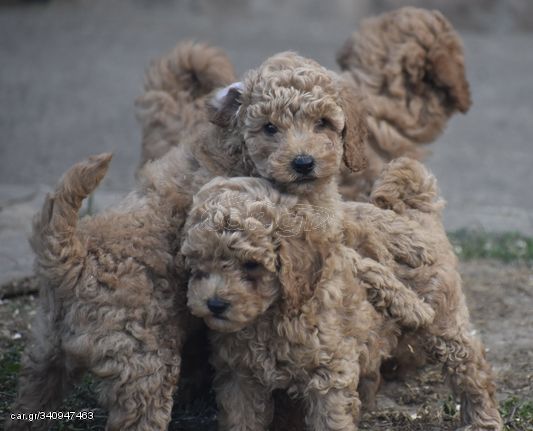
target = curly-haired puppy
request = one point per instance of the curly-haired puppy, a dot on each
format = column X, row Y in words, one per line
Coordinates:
column 274, row 276
column 409, row 190
column 410, row 64
column 227, row 244
column 112, row 298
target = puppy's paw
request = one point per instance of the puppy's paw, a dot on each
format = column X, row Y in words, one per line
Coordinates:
column 411, row 311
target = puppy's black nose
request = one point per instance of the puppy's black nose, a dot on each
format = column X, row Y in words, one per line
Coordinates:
column 303, row 164
column 217, row 306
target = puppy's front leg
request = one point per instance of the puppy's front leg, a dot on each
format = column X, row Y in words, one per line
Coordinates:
column 244, row 404
column 336, row 409
column 331, row 395
column 385, row 291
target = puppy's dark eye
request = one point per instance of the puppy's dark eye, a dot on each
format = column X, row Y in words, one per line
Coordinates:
column 198, row 275
column 322, row 124
column 270, row 129
column 250, row 265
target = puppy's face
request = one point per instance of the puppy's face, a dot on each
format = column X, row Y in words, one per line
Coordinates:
column 293, row 131
column 231, row 253
column 297, row 122
column 231, row 289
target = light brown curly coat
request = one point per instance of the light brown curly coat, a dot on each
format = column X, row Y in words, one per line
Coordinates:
column 111, row 292
column 410, row 64
column 276, row 333
column 176, row 88
column 106, row 256
column 120, row 274
column 298, row 316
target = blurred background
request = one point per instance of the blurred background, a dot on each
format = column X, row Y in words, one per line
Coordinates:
column 71, row 69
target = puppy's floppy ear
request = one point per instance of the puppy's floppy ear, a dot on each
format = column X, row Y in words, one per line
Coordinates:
column 225, row 104
column 446, row 65
column 297, row 273
column 355, row 127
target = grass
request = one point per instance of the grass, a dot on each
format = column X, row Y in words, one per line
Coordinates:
column 9, row 369
column 506, row 247
column 517, row 414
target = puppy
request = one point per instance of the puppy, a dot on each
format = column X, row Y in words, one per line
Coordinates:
column 110, row 295
column 274, row 277
column 410, row 64
column 254, row 233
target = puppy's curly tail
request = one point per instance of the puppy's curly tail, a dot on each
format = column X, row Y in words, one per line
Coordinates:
column 409, row 52
column 406, row 184
column 57, row 247
column 172, row 103
column 192, row 69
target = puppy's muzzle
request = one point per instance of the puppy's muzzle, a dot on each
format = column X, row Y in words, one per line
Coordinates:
column 303, row 164
column 217, row 306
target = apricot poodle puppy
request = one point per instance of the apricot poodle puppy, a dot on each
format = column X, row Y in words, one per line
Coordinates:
column 291, row 302
column 111, row 301
column 410, row 64
column 242, row 237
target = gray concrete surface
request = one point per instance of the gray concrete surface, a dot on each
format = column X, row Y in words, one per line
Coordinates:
column 70, row 70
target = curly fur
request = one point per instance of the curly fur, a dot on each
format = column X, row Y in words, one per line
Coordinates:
column 313, row 113
column 410, row 64
column 315, row 116
column 411, row 192
column 298, row 316
column 405, row 236
column 119, row 269
column 175, row 90
column 111, row 295
column 111, row 292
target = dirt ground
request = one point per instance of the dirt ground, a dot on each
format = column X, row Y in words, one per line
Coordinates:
column 500, row 298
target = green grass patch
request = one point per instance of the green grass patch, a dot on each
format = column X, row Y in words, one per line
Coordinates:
column 9, row 369
column 517, row 414
column 506, row 247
